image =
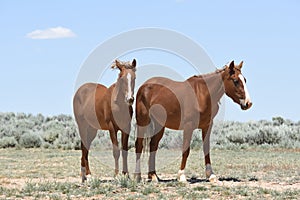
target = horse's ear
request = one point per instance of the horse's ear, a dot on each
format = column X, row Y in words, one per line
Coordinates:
column 116, row 64
column 231, row 68
column 133, row 63
column 240, row 65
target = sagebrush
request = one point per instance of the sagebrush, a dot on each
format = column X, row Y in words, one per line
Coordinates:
column 33, row 131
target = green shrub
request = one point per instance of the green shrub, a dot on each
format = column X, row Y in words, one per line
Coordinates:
column 30, row 140
column 77, row 145
column 7, row 142
column 236, row 138
column 196, row 142
column 294, row 134
column 61, row 132
column 277, row 121
column 50, row 136
column 47, row 145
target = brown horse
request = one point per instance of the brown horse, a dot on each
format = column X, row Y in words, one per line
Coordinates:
column 186, row 106
column 97, row 107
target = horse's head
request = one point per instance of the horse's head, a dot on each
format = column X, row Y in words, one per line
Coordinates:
column 235, row 85
column 126, row 81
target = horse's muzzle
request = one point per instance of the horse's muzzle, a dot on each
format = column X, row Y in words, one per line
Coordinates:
column 130, row 100
column 245, row 105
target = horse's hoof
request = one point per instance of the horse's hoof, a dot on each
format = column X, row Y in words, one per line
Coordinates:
column 116, row 173
column 125, row 174
column 212, row 178
column 154, row 178
column 83, row 179
column 181, row 176
column 83, row 174
column 88, row 178
column 138, row 177
column 182, row 179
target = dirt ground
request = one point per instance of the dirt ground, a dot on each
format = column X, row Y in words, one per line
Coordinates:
column 243, row 174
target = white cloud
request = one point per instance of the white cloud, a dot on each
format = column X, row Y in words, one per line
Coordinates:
column 51, row 33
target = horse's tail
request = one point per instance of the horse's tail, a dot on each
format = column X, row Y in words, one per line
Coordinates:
column 147, row 137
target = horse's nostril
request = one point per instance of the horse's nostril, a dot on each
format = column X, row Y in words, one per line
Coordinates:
column 249, row 104
column 130, row 100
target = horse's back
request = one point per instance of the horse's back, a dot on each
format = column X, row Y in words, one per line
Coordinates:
column 154, row 88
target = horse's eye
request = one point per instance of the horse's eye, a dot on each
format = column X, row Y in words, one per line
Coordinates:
column 236, row 82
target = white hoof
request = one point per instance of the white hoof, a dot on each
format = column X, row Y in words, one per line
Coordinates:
column 181, row 177
column 88, row 178
column 213, row 178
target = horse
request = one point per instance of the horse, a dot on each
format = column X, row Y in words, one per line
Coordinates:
column 192, row 104
column 98, row 107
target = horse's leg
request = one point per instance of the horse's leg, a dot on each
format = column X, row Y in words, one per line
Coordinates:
column 115, row 144
column 206, row 148
column 187, row 136
column 91, row 136
column 153, row 148
column 138, row 153
column 84, row 156
column 125, row 137
column 87, row 134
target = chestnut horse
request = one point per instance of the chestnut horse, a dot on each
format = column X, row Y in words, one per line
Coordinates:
column 186, row 106
column 97, row 107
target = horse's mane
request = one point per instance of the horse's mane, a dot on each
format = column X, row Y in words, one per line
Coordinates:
column 217, row 71
column 126, row 64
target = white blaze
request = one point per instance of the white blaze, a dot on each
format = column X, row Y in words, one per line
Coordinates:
column 247, row 96
column 129, row 85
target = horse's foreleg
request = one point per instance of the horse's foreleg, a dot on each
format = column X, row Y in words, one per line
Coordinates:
column 115, row 145
column 187, row 136
column 153, row 148
column 125, row 137
column 206, row 148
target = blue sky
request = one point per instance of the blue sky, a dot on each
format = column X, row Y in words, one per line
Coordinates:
column 38, row 75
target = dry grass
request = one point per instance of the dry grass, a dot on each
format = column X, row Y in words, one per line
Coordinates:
column 243, row 174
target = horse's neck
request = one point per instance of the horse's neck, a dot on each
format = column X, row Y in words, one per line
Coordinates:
column 118, row 96
column 215, row 85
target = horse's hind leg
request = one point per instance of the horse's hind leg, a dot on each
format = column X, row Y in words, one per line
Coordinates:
column 138, row 153
column 87, row 135
column 153, row 149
